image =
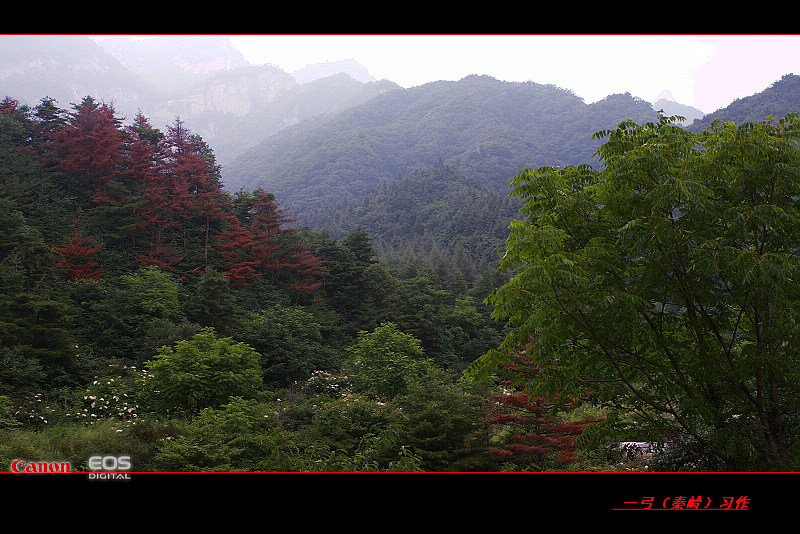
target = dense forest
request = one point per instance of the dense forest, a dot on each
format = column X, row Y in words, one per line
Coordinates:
column 149, row 312
column 486, row 128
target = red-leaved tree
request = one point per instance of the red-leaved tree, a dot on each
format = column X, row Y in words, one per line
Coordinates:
column 87, row 151
column 162, row 202
column 267, row 222
column 77, row 255
column 306, row 267
column 538, row 436
column 142, row 160
column 257, row 243
column 236, row 245
column 194, row 187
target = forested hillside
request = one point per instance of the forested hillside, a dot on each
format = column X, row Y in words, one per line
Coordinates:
column 438, row 216
column 142, row 301
column 425, row 170
column 485, row 128
column 779, row 99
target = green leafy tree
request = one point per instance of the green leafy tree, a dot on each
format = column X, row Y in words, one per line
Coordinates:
column 118, row 313
column 231, row 437
column 290, row 343
column 665, row 288
column 203, row 372
column 214, row 303
column 384, row 361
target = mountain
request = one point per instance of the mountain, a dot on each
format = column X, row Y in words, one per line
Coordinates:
column 175, row 62
column 394, row 164
column 201, row 79
column 424, row 170
column 670, row 107
column 486, row 128
column 67, row 68
column 322, row 70
column 778, row 100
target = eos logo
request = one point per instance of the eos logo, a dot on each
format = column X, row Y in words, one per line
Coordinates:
column 108, row 465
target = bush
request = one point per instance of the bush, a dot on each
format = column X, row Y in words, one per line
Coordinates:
column 203, row 372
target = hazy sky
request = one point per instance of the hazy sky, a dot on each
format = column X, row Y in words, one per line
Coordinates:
column 704, row 71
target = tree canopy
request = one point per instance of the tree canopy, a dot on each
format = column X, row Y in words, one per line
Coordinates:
column 664, row 288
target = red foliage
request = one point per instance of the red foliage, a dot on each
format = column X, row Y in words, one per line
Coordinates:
column 157, row 212
column 540, row 437
column 78, row 254
column 164, row 189
column 9, row 106
column 88, row 150
column 264, row 246
column 266, row 224
column 236, row 243
column 180, row 183
column 307, row 268
column 143, row 167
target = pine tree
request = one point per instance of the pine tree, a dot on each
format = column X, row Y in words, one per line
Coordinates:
column 256, row 243
column 194, row 185
column 236, row 243
column 141, row 168
column 157, row 214
column 267, row 225
column 78, row 254
column 306, row 268
column 87, row 150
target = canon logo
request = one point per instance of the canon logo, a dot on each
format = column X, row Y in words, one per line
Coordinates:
column 21, row 466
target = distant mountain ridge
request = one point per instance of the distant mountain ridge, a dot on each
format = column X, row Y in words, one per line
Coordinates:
column 350, row 66
column 671, row 108
column 485, row 127
column 391, row 165
column 66, row 68
column 166, row 62
column 202, row 79
column 779, row 99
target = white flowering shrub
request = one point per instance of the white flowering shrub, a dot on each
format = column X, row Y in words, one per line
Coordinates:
column 327, row 383
column 112, row 396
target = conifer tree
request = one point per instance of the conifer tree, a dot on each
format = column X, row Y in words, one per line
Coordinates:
column 193, row 186
column 306, row 268
column 48, row 119
column 87, row 149
column 236, row 243
column 141, row 169
column 267, row 225
column 256, row 243
column 156, row 215
column 78, row 254
column 17, row 168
